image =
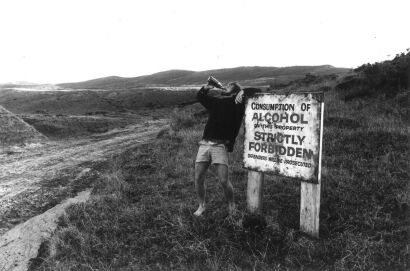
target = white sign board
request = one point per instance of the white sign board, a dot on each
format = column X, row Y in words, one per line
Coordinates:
column 283, row 134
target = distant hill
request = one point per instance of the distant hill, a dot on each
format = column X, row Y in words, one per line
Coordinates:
column 151, row 91
column 88, row 102
column 256, row 76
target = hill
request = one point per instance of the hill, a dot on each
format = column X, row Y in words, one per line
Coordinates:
column 15, row 131
column 388, row 78
column 256, row 76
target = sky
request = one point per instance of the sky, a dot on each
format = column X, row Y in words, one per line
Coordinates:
column 56, row 41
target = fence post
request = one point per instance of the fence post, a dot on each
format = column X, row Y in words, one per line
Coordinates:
column 254, row 192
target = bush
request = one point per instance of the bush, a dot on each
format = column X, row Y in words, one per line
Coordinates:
column 181, row 119
column 387, row 78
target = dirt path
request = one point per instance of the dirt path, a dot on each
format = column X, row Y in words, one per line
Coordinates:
column 22, row 243
column 23, row 171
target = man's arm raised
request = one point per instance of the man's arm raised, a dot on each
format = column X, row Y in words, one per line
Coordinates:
column 203, row 96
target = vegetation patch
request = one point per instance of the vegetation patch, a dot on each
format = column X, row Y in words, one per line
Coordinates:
column 343, row 123
column 14, row 131
column 385, row 78
column 63, row 126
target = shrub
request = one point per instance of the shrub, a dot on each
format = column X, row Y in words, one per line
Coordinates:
column 387, row 78
column 181, row 119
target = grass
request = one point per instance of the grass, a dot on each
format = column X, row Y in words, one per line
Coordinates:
column 140, row 214
column 14, row 131
column 63, row 126
column 59, row 127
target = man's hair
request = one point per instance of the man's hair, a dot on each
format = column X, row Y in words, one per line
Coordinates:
column 235, row 87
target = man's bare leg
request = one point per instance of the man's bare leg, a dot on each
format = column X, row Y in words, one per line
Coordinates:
column 222, row 171
column 200, row 170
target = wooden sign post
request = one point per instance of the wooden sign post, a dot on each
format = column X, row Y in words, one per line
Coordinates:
column 254, row 192
column 283, row 136
column 310, row 195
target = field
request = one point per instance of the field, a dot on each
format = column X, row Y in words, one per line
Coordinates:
column 139, row 216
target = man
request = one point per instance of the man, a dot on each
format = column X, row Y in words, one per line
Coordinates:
column 226, row 111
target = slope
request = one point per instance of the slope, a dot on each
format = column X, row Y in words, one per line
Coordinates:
column 15, row 131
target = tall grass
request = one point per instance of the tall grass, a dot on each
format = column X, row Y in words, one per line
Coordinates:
column 140, row 216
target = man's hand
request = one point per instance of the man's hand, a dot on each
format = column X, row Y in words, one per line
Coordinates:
column 239, row 97
column 208, row 87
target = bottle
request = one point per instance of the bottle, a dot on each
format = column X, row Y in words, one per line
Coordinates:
column 213, row 82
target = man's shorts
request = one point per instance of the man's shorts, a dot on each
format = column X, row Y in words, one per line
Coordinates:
column 212, row 152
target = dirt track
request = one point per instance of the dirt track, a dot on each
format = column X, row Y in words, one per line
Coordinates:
column 26, row 173
column 25, row 169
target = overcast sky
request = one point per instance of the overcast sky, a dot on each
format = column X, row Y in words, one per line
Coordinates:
column 66, row 40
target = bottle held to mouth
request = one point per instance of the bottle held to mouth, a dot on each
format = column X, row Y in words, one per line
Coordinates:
column 213, row 82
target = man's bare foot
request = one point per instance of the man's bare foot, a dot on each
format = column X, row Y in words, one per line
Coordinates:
column 200, row 210
column 232, row 208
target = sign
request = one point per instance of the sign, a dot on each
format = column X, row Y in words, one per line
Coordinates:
column 283, row 133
